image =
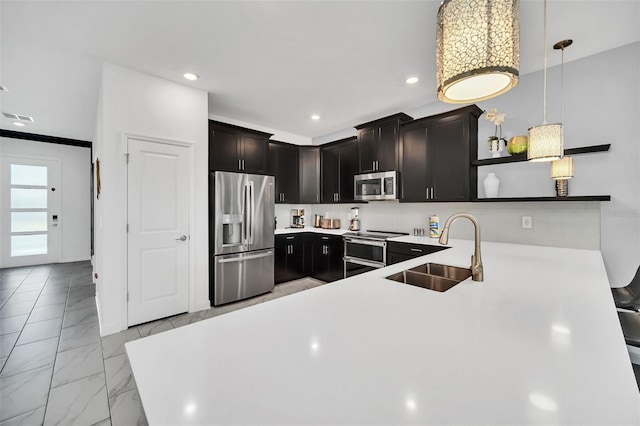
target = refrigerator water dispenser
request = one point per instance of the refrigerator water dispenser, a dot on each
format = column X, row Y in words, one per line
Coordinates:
column 231, row 229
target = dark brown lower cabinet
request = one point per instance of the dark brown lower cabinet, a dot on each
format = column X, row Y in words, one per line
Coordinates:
column 327, row 252
column 308, row 254
column 290, row 257
column 399, row 252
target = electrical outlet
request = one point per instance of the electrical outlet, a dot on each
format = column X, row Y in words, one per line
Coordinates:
column 527, row 222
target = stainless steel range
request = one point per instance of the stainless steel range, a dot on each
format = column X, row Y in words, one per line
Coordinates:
column 365, row 251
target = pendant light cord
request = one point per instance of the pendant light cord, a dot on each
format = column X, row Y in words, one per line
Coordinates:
column 544, row 89
column 562, row 88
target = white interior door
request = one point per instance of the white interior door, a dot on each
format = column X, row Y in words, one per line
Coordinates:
column 30, row 211
column 158, row 237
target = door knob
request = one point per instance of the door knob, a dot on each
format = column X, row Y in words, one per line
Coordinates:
column 182, row 238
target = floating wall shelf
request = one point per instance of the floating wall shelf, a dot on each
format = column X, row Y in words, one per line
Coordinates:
column 523, row 157
column 545, row 199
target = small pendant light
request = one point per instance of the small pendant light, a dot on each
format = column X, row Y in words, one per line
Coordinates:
column 477, row 49
column 545, row 141
column 562, row 169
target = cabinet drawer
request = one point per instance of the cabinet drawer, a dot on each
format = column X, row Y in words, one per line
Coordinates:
column 413, row 250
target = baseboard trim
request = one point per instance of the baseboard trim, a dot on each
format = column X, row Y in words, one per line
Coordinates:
column 106, row 328
column 76, row 259
column 201, row 306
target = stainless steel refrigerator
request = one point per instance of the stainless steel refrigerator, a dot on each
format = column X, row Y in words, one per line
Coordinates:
column 243, row 212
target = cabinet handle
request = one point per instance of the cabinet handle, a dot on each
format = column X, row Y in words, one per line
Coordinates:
column 325, row 238
column 239, row 164
column 427, row 196
column 290, row 238
column 432, row 193
column 338, row 196
column 416, row 250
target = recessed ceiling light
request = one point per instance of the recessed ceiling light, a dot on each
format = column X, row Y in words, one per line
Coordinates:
column 412, row 80
column 315, row 117
column 19, row 124
column 191, row 76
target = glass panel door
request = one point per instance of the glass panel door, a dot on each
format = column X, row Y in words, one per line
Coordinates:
column 29, row 216
column 29, row 192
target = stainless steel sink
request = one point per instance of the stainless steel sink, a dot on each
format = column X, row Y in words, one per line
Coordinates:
column 432, row 276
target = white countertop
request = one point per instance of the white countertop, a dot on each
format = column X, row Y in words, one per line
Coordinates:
column 280, row 231
column 538, row 342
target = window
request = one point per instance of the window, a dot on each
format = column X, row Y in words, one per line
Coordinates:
column 29, row 212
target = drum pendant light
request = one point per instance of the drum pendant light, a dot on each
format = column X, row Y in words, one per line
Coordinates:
column 545, row 141
column 477, row 49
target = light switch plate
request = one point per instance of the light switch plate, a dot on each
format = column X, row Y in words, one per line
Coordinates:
column 527, row 222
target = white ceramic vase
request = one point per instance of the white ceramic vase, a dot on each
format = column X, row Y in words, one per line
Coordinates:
column 491, row 185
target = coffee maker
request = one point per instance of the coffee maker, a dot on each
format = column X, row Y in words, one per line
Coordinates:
column 354, row 225
column 297, row 218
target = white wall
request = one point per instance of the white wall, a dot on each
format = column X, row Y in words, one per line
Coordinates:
column 139, row 104
column 574, row 225
column 601, row 95
column 75, row 170
column 601, row 106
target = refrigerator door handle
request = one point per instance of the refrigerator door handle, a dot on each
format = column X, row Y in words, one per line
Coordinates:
column 245, row 214
column 252, row 212
column 243, row 258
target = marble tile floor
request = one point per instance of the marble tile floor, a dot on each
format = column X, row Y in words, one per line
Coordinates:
column 55, row 368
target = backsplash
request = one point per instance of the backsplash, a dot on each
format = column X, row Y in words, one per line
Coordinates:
column 573, row 225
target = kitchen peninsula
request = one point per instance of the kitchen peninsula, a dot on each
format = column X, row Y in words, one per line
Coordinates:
column 538, row 342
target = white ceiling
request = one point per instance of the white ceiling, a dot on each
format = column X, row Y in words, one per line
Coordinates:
column 270, row 63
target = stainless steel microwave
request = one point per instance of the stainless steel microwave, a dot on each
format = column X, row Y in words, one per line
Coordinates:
column 376, row 186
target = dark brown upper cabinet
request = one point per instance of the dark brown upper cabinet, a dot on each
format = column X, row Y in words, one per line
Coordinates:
column 283, row 164
column 236, row 149
column 339, row 163
column 378, row 143
column 436, row 157
column 309, row 174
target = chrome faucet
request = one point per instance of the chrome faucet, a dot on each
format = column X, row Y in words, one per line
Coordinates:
column 477, row 272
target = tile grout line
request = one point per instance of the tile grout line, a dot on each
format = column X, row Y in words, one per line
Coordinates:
column 14, row 346
column 53, row 369
column 26, row 322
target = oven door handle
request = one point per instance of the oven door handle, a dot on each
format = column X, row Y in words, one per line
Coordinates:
column 349, row 259
column 366, row 242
